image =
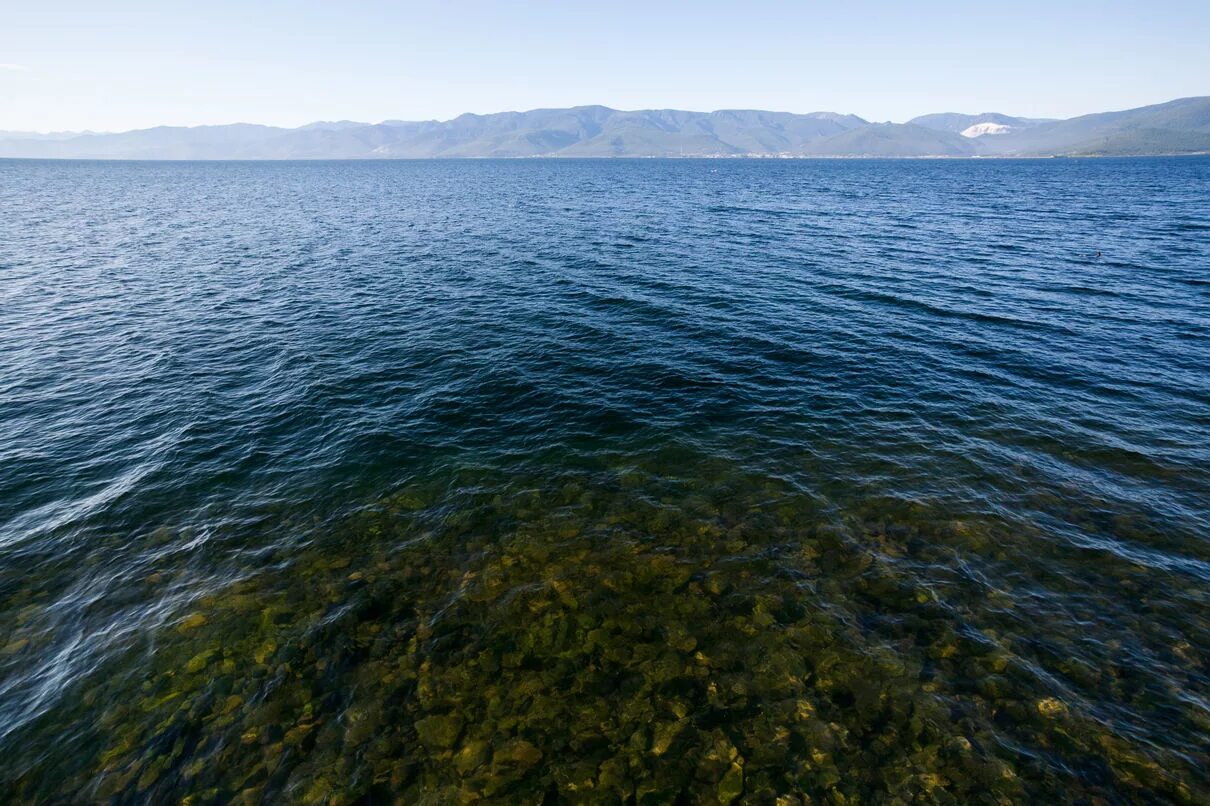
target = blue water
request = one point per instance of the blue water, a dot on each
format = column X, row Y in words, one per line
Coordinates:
column 991, row 377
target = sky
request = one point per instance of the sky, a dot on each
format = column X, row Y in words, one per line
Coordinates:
column 121, row 65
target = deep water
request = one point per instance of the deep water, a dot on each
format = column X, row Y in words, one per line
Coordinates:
column 605, row 481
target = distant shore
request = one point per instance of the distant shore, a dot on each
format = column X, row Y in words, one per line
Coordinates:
column 1173, row 128
column 678, row 157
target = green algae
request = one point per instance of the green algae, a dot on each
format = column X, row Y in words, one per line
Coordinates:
column 613, row 638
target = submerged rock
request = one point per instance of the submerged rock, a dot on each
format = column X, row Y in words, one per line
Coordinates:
column 439, row 732
column 732, row 784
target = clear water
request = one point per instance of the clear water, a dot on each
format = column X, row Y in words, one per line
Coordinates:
column 605, row 481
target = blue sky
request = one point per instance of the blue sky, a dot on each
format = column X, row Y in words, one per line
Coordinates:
column 120, row 65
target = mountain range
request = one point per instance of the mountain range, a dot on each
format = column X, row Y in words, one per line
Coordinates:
column 1177, row 127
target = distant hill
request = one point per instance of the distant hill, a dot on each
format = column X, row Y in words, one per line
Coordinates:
column 332, row 125
column 1169, row 128
column 1135, row 142
column 956, row 123
column 1176, row 127
column 7, row 135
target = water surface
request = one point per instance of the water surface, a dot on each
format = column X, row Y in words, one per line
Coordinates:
column 710, row 480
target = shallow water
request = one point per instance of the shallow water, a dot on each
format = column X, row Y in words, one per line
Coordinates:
column 605, row 480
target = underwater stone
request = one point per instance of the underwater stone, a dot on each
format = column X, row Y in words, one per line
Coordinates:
column 191, row 622
column 15, row 647
column 732, row 784
column 473, row 754
column 439, row 732
column 520, row 752
column 613, row 775
column 1051, row 707
column 663, row 735
column 200, row 661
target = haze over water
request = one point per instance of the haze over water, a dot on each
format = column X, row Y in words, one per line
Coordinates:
column 593, row 480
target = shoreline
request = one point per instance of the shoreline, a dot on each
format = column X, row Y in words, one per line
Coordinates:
column 735, row 157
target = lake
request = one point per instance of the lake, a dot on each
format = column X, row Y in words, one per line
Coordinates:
column 606, row 481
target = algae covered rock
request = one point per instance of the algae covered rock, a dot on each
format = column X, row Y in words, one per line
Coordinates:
column 519, row 752
column 439, row 732
column 732, row 784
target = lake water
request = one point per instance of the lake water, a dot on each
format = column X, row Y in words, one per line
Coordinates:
column 649, row 480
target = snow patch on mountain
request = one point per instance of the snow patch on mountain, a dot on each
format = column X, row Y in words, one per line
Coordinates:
column 980, row 129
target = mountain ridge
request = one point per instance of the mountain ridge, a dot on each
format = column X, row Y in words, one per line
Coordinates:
column 1181, row 126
